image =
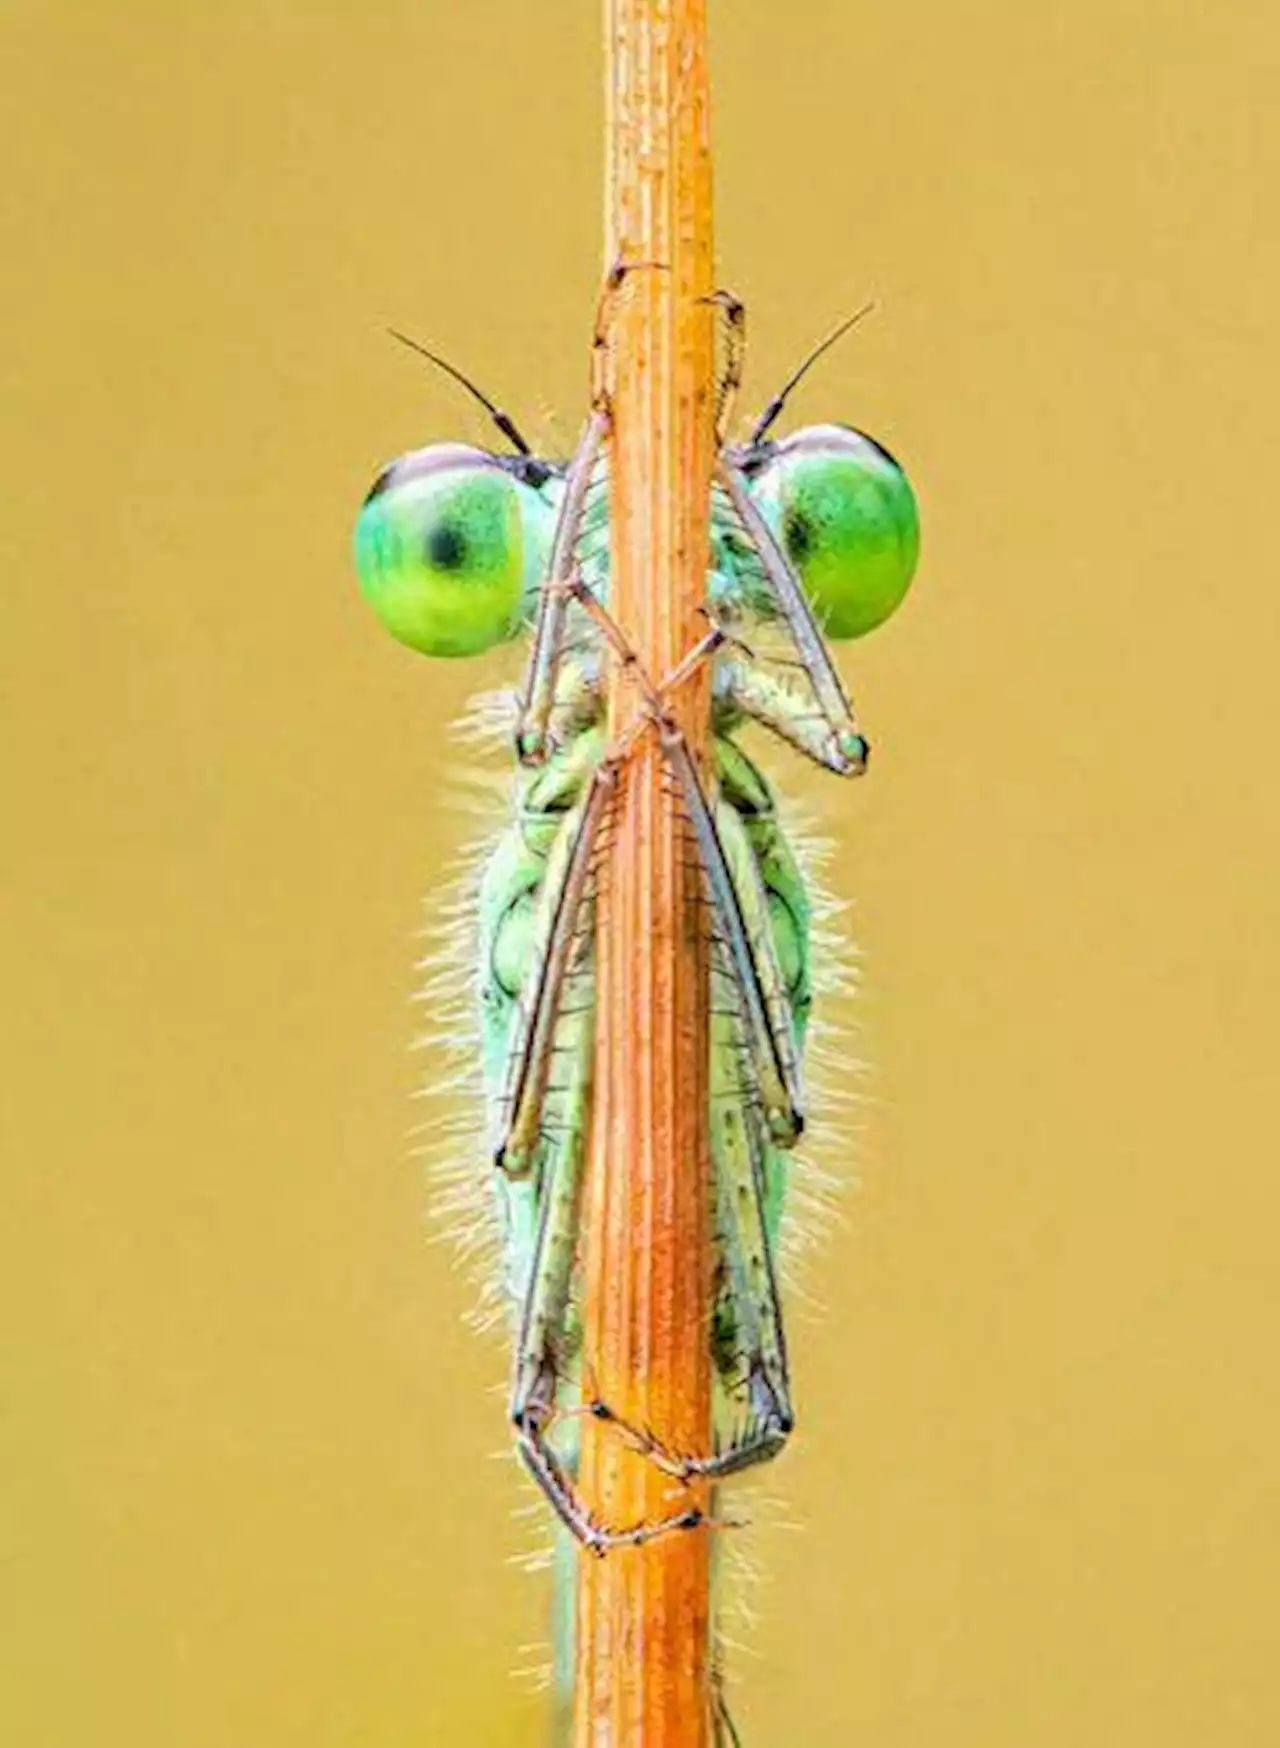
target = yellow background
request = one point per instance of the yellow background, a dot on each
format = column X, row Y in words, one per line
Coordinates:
column 248, row 1499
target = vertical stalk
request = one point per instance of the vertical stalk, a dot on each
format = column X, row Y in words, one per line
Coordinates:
column 643, row 1615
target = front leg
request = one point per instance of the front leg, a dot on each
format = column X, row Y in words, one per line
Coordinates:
column 745, row 690
column 792, row 606
column 553, row 602
column 532, row 729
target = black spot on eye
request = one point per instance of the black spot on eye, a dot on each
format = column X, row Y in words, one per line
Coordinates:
column 446, row 547
column 798, row 533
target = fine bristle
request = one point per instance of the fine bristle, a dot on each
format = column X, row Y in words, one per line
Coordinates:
column 450, row 1137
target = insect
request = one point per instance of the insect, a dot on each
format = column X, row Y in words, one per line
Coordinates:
column 459, row 549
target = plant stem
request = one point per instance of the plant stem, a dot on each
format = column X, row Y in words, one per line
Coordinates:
column 643, row 1615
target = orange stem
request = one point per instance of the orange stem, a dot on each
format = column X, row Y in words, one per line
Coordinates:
column 643, row 1615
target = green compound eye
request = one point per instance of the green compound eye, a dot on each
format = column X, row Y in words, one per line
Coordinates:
column 449, row 549
column 846, row 517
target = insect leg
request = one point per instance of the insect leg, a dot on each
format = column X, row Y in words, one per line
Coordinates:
column 542, row 1333
column 529, row 1062
column 521, row 1099
column 553, row 603
column 725, row 826
column 547, row 1470
column 760, row 1446
column 738, row 1149
column 724, row 1731
column 793, row 606
column 533, row 1403
column 655, row 696
column 754, row 693
column 759, row 978
column 735, row 314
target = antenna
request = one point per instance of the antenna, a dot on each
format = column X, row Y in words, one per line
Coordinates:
column 780, row 399
column 505, row 423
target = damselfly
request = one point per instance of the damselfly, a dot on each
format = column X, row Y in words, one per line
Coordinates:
column 459, row 549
